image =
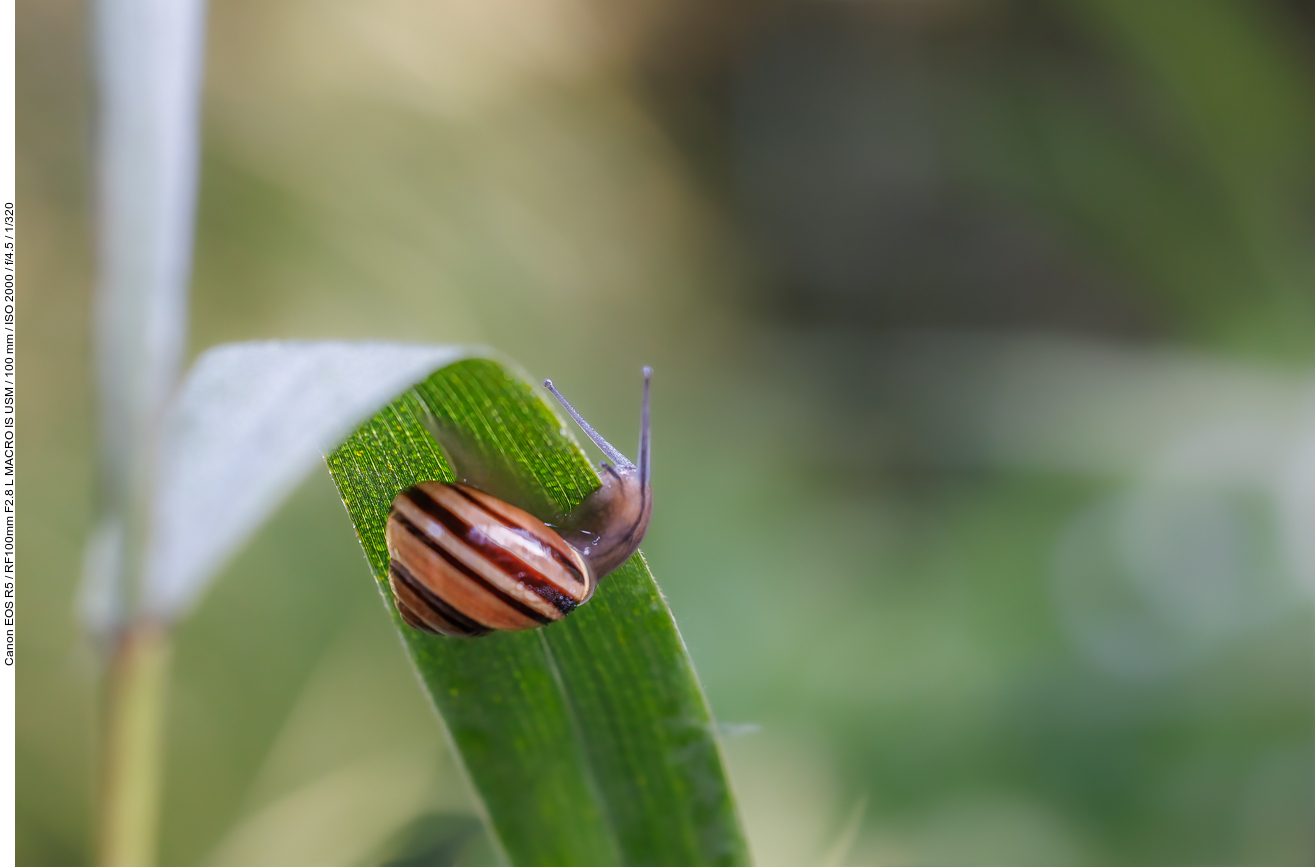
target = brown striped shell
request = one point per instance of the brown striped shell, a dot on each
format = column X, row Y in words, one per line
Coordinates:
column 465, row 563
column 462, row 562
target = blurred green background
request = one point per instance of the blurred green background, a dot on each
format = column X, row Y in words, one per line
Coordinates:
column 984, row 423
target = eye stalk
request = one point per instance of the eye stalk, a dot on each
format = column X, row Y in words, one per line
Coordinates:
column 609, row 524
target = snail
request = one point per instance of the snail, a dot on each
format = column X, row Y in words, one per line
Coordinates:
column 462, row 562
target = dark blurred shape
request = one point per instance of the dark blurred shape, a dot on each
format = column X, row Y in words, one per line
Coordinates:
column 433, row 840
column 1104, row 168
column 845, row 164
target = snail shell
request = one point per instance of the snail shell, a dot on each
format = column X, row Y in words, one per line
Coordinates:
column 466, row 563
column 462, row 562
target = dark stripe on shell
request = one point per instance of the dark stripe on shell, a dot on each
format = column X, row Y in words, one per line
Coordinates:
column 411, row 618
column 409, row 606
column 566, row 563
column 446, row 612
column 511, row 565
column 437, row 547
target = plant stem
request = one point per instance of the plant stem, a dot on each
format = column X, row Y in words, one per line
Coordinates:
column 133, row 747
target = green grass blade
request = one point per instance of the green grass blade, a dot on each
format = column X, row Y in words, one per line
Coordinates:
column 589, row 741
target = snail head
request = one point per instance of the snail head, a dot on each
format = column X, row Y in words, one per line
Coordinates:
column 608, row 525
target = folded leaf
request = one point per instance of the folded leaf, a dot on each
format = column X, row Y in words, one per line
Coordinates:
column 251, row 420
column 589, row 741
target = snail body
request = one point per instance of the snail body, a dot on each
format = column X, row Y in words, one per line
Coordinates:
column 465, row 563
